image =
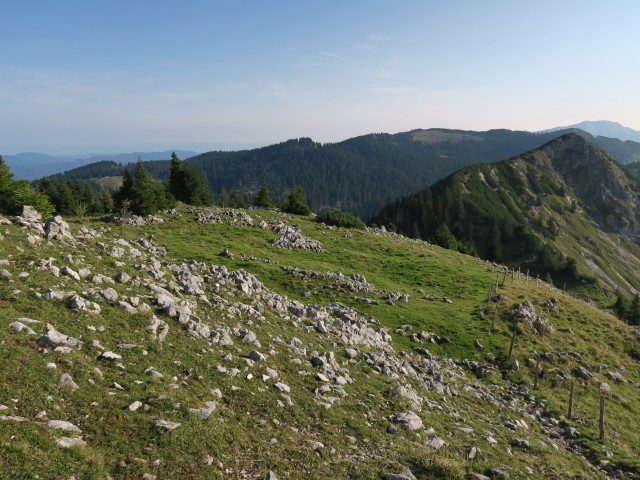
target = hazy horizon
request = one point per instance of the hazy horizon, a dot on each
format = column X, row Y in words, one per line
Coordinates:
column 125, row 74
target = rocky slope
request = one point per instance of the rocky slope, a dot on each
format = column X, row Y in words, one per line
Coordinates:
column 251, row 344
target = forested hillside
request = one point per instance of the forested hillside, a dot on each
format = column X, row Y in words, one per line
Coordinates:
column 559, row 210
column 359, row 175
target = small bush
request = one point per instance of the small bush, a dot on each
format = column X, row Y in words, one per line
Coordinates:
column 340, row 219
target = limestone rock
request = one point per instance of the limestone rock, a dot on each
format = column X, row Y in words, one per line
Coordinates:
column 19, row 327
column 109, row 356
column 52, row 338
column 70, row 442
column 67, row 381
column 204, row 413
column 166, row 424
column 404, row 475
column 57, row 229
column 63, row 425
column 408, row 420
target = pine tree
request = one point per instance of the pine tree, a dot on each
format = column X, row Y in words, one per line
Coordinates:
column 295, row 202
column 234, row 198
column 143, row 195
column 14, row 194
column 620, row 307
column 187, row 185
column 493, row 247
column 106, row 199
column 444, row 238
column 223, row 199
column 66, row 198
column 262, row 198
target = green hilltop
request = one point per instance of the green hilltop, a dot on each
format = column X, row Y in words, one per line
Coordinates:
column 208, row 353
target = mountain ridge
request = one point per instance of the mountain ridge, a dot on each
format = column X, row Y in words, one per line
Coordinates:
column 560, row 209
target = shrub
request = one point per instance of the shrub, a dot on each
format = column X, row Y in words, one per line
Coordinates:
column 340, row 219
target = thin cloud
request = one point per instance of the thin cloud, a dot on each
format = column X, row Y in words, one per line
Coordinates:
column 333, row 55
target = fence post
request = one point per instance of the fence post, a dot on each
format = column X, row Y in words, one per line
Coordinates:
column 513, row 340
column 570, row 411
column 601, row 417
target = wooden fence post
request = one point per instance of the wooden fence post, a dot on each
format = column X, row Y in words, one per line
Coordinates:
column 535, row 382
column 601, row 423
column 570, row 411
column 513, row 340
column 489, row 297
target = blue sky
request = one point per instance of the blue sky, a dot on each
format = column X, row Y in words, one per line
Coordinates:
column 111, row 76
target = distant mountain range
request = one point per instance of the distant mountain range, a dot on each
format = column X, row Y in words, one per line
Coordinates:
column 32, row 165
column 604, row 128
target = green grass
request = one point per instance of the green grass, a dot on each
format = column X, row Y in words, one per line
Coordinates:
column 250, row 431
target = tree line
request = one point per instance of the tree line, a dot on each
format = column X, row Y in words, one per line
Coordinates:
column 140, row 193
column 359, row 175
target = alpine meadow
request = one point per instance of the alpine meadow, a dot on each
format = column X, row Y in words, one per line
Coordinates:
column 319, row 240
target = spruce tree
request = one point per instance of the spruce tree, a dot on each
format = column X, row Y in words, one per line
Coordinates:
column 106, row 199
column 493, row 247
column 14, row 194
column 262, row 198
column 187, row 185
column 143, row 196
column 295, row 202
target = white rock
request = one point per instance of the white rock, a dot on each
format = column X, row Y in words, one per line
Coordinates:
column 109, row 356
column 166, row 425
column 63, row 425
column 67, row 442
column 134, row 406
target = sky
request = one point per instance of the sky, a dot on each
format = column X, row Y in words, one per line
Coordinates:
column 89, row 76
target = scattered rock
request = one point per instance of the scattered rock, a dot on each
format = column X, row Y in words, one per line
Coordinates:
column 67, row 381
column 166, row 425
column 68, row 442
column 52, row 338
column 408, row 420
column 62, row 425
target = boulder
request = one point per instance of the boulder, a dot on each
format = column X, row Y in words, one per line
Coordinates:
column 408, row 420
column 63, row 425
column 52, row 338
